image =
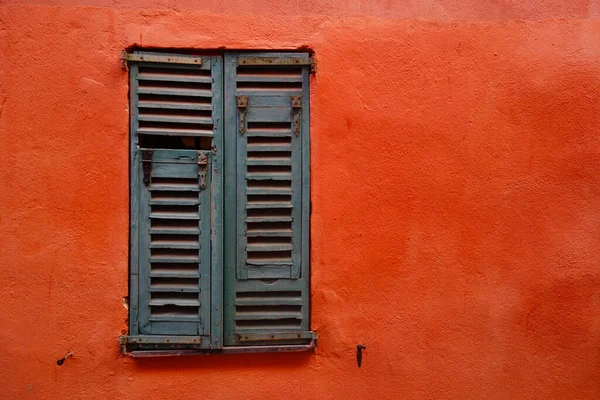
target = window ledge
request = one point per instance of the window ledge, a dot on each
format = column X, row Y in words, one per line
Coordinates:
column 226, row 350
column 189, row 346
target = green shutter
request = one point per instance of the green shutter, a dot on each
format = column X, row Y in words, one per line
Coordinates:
column 267, row 198
column 175, row 200
column 174, row 243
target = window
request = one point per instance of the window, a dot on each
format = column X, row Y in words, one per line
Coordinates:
column 219, row 249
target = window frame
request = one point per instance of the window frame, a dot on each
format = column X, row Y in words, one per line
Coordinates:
column 174, row 344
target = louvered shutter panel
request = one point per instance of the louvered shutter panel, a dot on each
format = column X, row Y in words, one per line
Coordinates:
column 173, row 192
column 267, row 199
column 174, row 243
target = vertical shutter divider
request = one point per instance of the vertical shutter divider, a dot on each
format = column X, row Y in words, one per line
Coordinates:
column 216, row 210
column 134, row 205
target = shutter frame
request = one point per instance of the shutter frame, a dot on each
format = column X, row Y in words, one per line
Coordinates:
column 209, row 332
column 281, row 303
column 174, row 166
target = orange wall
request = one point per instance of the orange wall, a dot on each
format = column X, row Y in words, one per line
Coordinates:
column 455, row 189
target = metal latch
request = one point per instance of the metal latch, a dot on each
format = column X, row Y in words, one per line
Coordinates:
column 297, row 111
column 202, row 168
column 242, row 104
column 147, row 165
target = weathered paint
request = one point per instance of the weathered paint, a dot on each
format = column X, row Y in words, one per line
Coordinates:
column 455, row 152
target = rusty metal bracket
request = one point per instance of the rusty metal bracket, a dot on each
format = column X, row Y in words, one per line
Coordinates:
column 359, row 356
column 202, row 168
column 242, row 104
column 124, row 61
column 313, row 65
column 297, row 111
column 147, row 165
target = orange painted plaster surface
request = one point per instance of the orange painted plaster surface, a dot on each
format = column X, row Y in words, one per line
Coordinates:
column 455, row 161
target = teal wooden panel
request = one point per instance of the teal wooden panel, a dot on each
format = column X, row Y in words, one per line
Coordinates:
column 265, row 205
column 172, row 251
column 177, row 249
column 268, row 114
column 163, row 170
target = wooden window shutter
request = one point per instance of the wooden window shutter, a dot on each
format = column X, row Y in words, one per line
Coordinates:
column 267, row 198
column 175, row 200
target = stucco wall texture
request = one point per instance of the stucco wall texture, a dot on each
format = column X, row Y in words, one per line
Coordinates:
column 455, row 163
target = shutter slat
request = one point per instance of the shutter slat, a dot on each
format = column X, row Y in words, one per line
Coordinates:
column 257, row 147
column 170, row 105
column 268, row 177
column 174, row 260
column 174, row 274
column 157, row 215
column 166, row 77
column 269, row 219
column 173, row 119
column 267, row 315
column 274, row 78
column 174, row 318
column 269, row 161
column 269, row 205
column 166, row 202
column 269, row 233
column 266, row 301
column 177, row 188
column 175, row 132
column 174, row 92
column 260, row 133
column 255, row 91
column 174, row 231
column 268, row 262
column 268, row 247
column 164, row 245
column 174, row 289
column 268, row 191
column 175, row 302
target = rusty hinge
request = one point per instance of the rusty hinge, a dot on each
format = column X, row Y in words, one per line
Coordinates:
column 242, row 104
column 297, row 110
column 202, row 168
column 147, row 165
column 124, row 60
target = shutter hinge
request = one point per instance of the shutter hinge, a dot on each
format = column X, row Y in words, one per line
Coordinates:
column 242, row 104
column 202, row 168
column 313, row 65
column 297, row 111
column 147, row 165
